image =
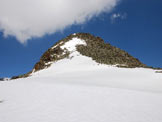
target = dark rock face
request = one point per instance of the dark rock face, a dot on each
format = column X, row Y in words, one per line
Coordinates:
column 104, row 53
column 51, row 55
column 158, row 72
column 96, row 48
column 21, row 76
column 1, row 79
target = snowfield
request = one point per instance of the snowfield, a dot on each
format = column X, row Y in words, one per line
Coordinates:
column 80, row 90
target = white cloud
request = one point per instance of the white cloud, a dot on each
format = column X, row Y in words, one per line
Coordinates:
column 25, row 19
column 118, row 16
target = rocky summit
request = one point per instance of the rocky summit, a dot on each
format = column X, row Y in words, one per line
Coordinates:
column 95, row 48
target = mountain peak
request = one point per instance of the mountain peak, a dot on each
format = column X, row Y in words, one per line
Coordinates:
column 87, row 45
column 91, row 46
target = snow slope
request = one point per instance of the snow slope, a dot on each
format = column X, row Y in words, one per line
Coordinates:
column 78, row 89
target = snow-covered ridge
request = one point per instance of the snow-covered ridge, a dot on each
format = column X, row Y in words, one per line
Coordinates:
column 62, row 49
column 69, row 46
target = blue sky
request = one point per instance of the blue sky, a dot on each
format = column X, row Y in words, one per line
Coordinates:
column 133, row 25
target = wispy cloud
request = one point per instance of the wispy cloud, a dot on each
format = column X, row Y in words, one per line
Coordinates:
column 116, row 16
column 25, row 19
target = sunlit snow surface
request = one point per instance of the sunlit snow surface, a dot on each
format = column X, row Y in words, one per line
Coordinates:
column 71, row 45
column 80, row 90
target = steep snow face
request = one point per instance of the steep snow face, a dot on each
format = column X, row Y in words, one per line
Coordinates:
column 64, row 49
column 71, row 45
column 80, row 69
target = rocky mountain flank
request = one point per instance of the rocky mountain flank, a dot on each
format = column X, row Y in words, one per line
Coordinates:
column 96, row 48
